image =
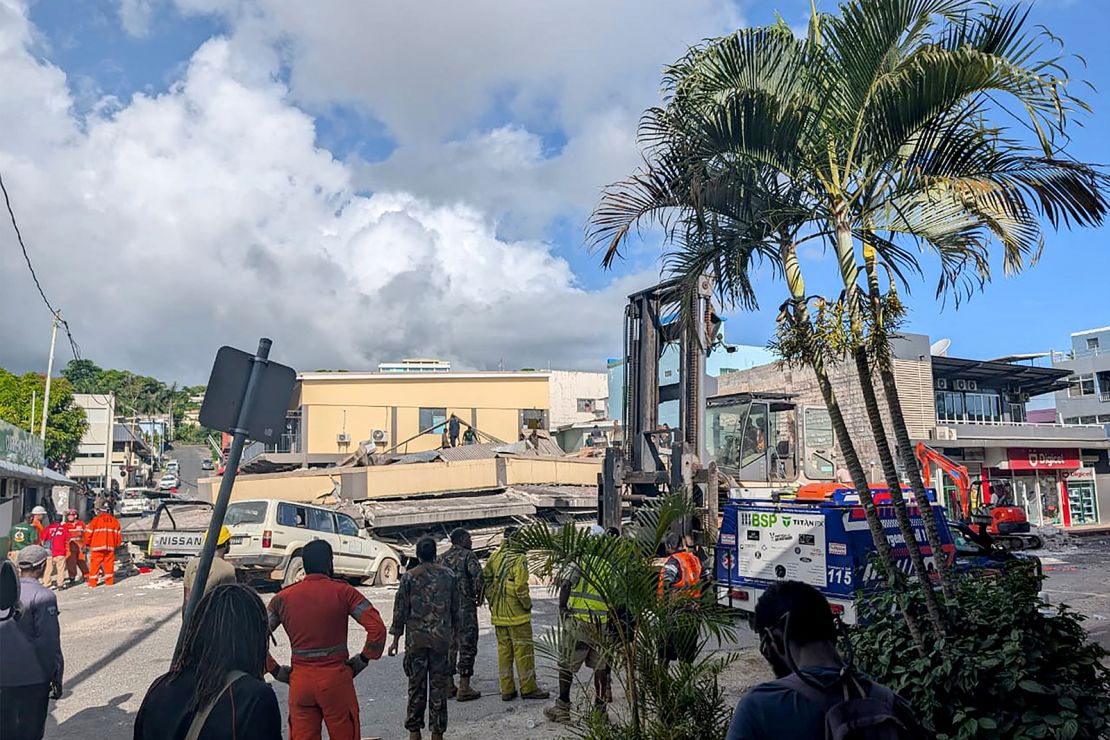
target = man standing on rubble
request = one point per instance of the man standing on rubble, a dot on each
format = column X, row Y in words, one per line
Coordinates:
column 426, row 612
column 461, row 560
column 453, row 430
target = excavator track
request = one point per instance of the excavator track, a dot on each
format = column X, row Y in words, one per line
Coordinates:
column 1018, row 542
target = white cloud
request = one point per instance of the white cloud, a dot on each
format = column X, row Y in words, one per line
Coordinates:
column 469, row 90
column 135, row 16
column 207, row 215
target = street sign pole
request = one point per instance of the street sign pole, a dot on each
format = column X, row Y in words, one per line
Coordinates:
column 219, row 509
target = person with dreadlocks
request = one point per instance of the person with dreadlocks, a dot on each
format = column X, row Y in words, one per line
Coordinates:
column 321, row 680
column 215, row 689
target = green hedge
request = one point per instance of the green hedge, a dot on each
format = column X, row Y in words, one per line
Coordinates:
column 1011, row 666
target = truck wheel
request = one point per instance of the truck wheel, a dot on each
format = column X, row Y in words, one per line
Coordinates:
column 389, row 572
column 295, row 572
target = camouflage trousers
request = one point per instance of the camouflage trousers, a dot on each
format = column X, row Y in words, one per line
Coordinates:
column 465, row 647
column 429, row 672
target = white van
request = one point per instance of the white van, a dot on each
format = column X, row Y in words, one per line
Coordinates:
column 267, row 536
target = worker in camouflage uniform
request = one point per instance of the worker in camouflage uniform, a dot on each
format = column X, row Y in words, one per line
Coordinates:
column 468, row 579
column 426, row 612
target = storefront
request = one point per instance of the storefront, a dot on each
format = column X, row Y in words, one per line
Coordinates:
column 1052, row 485
column 25, row 481
column 1082, row 496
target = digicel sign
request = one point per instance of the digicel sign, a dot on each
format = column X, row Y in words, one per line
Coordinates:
column 1032, row 458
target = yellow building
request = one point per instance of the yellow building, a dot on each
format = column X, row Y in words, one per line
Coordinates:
column 333, row 412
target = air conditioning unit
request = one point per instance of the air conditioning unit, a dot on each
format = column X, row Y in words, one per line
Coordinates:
column 942, row 384
column 379, row 436
column 960, row 385
column 973, row 385
column 343, row 438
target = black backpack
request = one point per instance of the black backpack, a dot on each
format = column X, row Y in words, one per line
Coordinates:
column 850, row 714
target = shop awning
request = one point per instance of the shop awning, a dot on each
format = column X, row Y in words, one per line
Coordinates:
column 1029, row 379
column 37, row 476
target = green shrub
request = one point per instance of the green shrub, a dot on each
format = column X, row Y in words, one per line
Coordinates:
column 1010, row 667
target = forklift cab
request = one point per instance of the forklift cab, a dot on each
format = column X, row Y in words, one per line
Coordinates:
column 751, row 436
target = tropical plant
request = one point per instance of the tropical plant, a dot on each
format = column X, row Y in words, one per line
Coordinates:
column 65, row 424
column 135, row 394
column 1015, row 667
column 675, row 701
column 722, row 219
column 888, row 126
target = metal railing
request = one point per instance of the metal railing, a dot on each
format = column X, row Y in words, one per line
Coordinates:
column 1077, row 354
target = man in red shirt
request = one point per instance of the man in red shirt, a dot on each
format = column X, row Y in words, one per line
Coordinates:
column 57, row 534
column 314, row 613
column 75, row 556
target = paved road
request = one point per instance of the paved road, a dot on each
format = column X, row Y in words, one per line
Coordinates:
column 118, row 640
column 188, row 458
column 1080, row 577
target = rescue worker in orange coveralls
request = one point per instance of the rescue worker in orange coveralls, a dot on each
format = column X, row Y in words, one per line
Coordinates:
column 321, row 679
column 103, row 536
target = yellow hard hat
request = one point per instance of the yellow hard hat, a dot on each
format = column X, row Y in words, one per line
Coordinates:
column 224, row 536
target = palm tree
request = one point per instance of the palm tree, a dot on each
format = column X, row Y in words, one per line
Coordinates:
column 721, row 218
column 677, row 701
column 880, row 119
column 912, row 146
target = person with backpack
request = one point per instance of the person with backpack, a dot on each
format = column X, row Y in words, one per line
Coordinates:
column 816, row 693
column 215, row 689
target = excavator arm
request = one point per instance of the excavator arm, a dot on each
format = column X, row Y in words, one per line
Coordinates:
column 927, row 456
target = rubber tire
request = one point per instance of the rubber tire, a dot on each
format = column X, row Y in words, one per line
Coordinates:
column 294, row 573
column 389, row 572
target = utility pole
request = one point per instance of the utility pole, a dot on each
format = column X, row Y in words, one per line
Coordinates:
column 49, row 372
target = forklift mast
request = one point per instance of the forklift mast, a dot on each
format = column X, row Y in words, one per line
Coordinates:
column 654, row 319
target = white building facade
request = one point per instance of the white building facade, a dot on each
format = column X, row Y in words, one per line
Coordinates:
column 94, row 455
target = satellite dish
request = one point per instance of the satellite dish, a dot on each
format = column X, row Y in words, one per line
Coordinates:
column 940, row 347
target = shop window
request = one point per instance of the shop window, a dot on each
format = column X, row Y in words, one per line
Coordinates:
column 432, row 420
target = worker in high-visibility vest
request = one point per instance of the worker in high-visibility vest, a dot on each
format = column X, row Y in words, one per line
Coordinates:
column 680, row 578
column 103, row 536
column 585, row 612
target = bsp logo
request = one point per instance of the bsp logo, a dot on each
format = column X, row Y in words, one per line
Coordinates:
column 768, row 519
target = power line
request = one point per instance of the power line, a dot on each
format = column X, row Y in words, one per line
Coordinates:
column 74, row 347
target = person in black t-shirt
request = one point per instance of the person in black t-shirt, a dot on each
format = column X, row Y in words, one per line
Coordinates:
column 797, row 637
column 229, row 632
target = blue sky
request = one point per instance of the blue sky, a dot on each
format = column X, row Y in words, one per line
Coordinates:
column 523, row 148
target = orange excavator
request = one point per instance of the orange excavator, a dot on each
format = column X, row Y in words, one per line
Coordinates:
column 1005, row 522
